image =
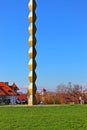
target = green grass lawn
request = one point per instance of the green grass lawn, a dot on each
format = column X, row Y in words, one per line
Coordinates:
column 63, row 117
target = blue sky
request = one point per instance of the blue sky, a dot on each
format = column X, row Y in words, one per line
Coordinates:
column 61, row 42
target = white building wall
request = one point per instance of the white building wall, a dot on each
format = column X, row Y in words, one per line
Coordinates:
column 13, row 99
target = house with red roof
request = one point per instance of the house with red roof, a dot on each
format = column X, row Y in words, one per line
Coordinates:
column 22, row 98
column 85, row 91
column 8, row 93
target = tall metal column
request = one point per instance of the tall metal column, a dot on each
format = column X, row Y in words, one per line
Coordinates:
column 32, row 53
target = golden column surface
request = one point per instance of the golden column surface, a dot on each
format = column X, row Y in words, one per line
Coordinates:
column 32, row 53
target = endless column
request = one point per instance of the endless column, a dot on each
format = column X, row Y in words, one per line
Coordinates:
column 32, row 53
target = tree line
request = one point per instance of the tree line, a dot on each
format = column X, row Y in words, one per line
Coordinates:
column 64, row 94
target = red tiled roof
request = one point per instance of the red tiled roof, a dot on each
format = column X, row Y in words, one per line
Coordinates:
column 6, row 89
column 14, row 86
column 22, row 96
column 2, row 93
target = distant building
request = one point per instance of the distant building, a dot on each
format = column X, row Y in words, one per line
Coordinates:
column 8, row 93
column 22, row 98
column 85, row 91
column 42, row 96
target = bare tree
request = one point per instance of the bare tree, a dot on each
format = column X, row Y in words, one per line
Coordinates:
column 76, row 88
column 61, row 88
column 69, row 87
